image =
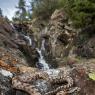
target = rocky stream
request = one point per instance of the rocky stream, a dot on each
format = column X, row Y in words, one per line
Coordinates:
column 44, row 61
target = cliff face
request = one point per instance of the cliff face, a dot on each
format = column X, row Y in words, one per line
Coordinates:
column 61, row 34
column 58, row 35
column 9, row 49
column 62, row 40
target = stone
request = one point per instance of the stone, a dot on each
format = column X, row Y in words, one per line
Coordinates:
column 26, row 69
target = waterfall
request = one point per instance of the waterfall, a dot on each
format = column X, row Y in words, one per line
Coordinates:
column 45, row 66
column 42, row 61
column 43, row 45
column 12, row 25
column 29, row 39
column 42, row 64
column 43, row 85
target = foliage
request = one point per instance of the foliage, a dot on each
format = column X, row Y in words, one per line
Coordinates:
column 82, row 12
column 21, row 13
column 43, row 8
column 1, row 14
column 92, row 76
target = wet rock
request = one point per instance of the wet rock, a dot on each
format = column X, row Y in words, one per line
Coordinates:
column 60, row 37
column 62, row 93
column 11, row 59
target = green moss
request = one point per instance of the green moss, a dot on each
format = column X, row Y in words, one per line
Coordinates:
column 92, row 76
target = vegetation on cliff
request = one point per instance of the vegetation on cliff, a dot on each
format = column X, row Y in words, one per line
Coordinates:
column 82, row 12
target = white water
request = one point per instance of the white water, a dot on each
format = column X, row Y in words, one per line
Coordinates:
column 52, row 72
column 12, row 25
column 45, row 66
column 42, row 84
column 42, row 61
column 43, row 45
column 29, row 39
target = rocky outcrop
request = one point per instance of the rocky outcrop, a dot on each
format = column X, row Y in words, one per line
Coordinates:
column 12, row 58
column 6, row 34
column 69, row 81
column 61, row 34
column 58, row 36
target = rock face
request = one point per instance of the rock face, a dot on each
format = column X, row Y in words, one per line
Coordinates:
column 11, row 56
column 6, row 34
column 80, row 85
column 56, row 42
column 58, row 36
column 61, row 34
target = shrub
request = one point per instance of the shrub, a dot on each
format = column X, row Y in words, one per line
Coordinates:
column 44, row 8
column 82, row 12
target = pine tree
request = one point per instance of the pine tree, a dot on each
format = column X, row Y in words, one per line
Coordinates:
column 1, row 12
column 43, row 8
column 21, row 13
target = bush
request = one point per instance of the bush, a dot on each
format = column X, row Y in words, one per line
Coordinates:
column 44, row 8
column 82, row 12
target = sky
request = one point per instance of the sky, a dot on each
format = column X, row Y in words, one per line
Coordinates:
column 8, row 7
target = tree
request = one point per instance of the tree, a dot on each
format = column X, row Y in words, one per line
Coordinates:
column 1, row 12
column 82, row 12
column 21, row 13
column 43, row 8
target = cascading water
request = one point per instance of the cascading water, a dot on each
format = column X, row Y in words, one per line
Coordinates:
column 12, row 26
column 29, row 39
column 43, row 45
column 42, row 64
column 42, row 85
column 42, row 61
